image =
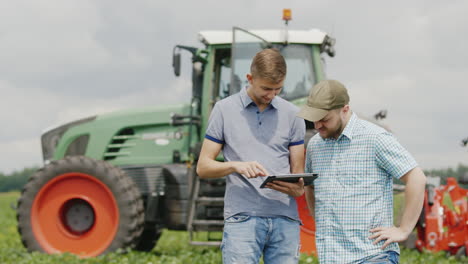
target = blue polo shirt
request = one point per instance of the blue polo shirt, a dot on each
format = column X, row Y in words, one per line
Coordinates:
column 247, row 134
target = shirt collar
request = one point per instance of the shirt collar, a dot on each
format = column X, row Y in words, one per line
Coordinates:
column 246, row 100
column 274, row 102
column 348, row 130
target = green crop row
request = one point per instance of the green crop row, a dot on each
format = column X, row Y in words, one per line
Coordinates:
column 172, row 248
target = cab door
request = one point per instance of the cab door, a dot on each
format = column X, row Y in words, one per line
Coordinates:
column 244, row 47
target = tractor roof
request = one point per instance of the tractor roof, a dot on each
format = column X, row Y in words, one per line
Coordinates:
column 312, row 36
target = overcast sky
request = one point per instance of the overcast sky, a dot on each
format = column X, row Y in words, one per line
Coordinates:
column 62, row 60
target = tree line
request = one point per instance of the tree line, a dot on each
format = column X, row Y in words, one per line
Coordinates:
column 458, row 173
column 16, row 180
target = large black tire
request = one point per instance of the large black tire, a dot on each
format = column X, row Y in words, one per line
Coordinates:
column 148, row 238
column 80, row 205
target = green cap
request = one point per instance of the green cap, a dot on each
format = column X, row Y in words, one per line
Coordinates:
column 324, row 96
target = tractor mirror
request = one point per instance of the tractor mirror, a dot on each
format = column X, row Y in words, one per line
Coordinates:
column 176, row 63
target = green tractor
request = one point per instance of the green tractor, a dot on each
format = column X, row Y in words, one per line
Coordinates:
column 116, row 180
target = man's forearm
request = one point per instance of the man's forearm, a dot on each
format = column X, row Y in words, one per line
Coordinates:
column 310, row 198
column 208, row 168
column 296, row 159
column 297, row 169
column 414, row 198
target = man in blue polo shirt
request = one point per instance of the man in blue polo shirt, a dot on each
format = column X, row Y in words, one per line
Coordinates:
column 259, row 135
column 356, row 161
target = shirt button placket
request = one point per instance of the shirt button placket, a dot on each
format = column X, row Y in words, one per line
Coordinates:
column 336, row 174
column 259, row 118
column 336, row 160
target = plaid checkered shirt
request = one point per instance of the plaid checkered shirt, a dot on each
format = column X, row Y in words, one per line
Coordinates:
column 354, row 190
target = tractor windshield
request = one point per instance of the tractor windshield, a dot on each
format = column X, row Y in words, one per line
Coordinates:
column 300, row 73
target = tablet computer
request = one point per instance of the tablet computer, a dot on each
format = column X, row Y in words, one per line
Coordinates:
column 308, row 178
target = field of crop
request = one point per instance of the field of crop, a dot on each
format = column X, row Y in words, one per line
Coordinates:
column 172, row 248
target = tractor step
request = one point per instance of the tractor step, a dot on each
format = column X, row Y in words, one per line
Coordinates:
column 205, row 212
column 210, row 200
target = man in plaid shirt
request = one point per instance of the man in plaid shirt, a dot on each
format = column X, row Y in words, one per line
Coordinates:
column 352, row 199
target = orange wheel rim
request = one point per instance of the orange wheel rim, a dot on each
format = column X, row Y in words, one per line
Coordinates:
column 75, row 213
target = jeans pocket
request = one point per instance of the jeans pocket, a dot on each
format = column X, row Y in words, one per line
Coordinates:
column 236, row 219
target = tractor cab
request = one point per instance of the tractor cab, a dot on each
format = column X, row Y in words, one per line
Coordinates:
column 220, row 69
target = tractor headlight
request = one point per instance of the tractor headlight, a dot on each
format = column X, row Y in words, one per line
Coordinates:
column 51, row 137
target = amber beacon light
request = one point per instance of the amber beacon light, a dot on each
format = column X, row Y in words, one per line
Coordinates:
column 286, row 15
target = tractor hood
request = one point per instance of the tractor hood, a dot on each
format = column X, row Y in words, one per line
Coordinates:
column 131, row 134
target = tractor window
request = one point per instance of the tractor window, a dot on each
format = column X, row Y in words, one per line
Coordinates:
column 222, row 73
column 244, row 47
column 299, row 79
column 225, row 78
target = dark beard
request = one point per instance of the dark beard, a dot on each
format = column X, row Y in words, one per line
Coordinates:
column 338, row 131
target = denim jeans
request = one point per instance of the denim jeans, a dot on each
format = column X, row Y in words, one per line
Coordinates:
column 245, row 238
column 386, row 257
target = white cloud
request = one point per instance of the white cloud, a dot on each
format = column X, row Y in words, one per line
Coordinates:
column 23, row 110
column 179, row 91
column 18, row 154
column 48, row 37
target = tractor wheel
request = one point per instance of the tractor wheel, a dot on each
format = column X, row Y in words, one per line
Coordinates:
column 80, row 205
column 148, row 239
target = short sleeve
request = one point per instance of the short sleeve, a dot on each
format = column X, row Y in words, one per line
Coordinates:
column 392, row 156
column 214, row 130
column 297, row 133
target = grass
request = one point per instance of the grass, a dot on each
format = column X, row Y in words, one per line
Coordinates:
column 172, row 248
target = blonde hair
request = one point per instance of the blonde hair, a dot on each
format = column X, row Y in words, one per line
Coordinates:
column 269, row 64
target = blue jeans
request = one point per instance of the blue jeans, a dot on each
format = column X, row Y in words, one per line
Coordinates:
column 245, row 238
column 386, row 257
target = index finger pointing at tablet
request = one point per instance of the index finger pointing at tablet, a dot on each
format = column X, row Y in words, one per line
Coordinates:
column 261, row 171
